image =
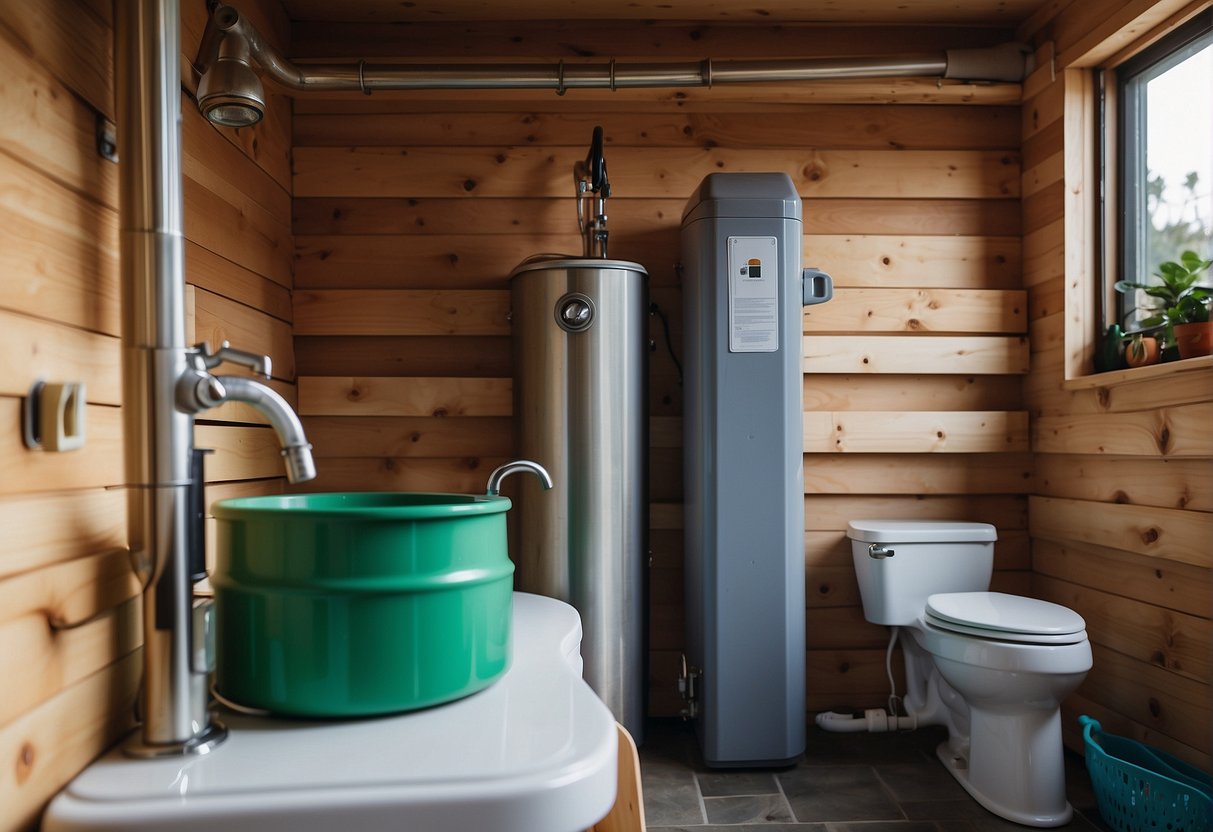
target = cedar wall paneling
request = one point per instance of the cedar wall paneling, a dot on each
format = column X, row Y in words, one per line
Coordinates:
column 1121, row 516
column 69, row 607
column 412, row 209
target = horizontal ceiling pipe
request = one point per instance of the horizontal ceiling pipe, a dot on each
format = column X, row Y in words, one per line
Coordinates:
column 610, row 75
column 1006, row 63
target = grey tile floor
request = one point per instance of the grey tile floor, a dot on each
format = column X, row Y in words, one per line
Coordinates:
column 844, row 783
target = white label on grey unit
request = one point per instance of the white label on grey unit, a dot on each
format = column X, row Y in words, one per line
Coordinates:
column 753, row 294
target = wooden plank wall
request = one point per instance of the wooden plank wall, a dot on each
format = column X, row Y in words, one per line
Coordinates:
column 1120, row 518
column 412, row 209
column 69, row 607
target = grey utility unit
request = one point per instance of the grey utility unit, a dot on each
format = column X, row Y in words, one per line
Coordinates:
column 743, row 291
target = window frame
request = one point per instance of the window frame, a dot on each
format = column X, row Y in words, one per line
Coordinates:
column 1122, row 137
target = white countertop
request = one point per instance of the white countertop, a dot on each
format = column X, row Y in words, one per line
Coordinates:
column 534, row 752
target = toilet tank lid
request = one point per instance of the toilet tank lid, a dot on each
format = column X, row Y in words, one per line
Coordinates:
column 920, row 531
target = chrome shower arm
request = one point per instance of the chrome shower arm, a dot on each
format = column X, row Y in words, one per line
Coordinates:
column 226, row 21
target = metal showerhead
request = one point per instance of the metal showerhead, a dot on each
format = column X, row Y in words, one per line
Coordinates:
column 229, row 92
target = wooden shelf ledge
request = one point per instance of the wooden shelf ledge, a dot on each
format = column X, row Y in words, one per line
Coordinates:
column 1132, row 375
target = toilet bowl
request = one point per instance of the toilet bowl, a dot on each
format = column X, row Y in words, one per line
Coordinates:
column 993, row 668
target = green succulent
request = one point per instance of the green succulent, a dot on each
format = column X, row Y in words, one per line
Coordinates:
column 1176, row 299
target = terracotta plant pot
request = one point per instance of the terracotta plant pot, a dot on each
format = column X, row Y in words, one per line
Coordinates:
column 1142, row 351
column 1194, row 339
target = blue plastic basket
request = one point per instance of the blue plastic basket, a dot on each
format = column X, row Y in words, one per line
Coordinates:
column 1141, row 789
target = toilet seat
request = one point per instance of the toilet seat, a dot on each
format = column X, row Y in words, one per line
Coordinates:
column 1007, row 618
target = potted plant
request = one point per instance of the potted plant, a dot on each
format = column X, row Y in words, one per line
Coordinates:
column 1180, row 304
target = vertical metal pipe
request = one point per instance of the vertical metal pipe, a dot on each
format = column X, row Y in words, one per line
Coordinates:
column 158, row 436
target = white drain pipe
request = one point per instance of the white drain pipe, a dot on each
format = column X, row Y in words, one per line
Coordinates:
column 874, row 721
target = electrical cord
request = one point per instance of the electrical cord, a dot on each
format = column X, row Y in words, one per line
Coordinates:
column 654, row 309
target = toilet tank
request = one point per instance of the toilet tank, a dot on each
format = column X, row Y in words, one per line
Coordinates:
column 899, row 563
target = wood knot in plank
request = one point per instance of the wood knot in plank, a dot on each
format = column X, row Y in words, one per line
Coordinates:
column 354, row 394
column 469, row 185
column 25, row 762
column 844, row 667
column 471, row 463
column 814, row 172
column 1164, row 439
column 1155, row 708
column 1150, row 535
column 823, row 590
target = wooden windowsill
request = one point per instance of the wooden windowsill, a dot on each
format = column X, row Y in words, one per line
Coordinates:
column 1132, row 375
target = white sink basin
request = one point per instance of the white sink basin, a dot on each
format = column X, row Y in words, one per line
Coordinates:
column 535, row 752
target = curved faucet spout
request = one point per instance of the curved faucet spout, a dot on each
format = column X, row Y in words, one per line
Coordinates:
column 296, row 450
column 518, row 465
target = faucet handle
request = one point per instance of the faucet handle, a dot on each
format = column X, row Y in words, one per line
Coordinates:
column 259, row 364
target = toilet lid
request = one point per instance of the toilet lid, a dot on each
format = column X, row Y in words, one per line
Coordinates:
column 1004, row 617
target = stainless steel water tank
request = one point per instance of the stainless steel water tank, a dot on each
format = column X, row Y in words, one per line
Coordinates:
column 581, row 410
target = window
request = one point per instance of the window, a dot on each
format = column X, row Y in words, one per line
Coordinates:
column 1163, row 164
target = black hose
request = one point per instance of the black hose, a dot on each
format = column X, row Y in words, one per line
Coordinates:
column 654, row 309
column 595, row 163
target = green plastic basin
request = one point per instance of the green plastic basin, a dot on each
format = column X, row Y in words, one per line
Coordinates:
column 335, row 605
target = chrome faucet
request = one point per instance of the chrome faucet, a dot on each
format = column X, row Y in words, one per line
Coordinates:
column 179, row 638
column 198, row 390
column 516, row 467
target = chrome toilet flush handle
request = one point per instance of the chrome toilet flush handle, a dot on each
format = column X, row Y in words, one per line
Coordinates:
column 879, row 552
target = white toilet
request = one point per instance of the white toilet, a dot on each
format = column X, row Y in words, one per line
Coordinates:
column 991, row 667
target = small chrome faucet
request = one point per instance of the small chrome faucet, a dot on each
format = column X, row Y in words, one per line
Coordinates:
column 515, row 467
column 198, row 390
